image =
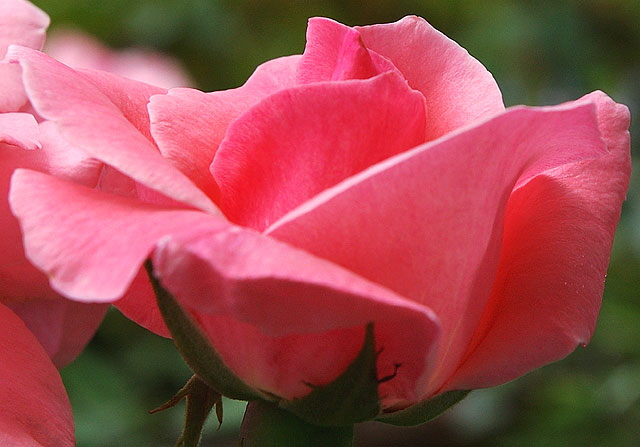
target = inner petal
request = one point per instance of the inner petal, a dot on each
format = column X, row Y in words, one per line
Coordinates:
column 303, row 140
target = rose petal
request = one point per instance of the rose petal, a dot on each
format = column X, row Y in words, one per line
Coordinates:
column 129, row 96
column 188, row 125
column 427, row 223
column 90, row 120
column 300, row 141
column 91, row 244
column 559, row 229
column 19, row 280
column 20, row 130
column 280, row 317
column 63, row 327
column 21, row 23
column 457, row 88
column 34, row 409
column 334, row 52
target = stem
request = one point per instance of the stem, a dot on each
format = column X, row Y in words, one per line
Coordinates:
column 266, row 425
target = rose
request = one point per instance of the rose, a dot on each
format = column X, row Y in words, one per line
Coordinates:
column 39, row 328
column 79, row 50
column 374, row 182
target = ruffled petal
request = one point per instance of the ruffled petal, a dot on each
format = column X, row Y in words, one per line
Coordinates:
column 298, row 142
column 457, row 88
column 188, row 125
column 34, row 409
column 91, row 244
column 335, row 52
column 427, row 223
column 89, row 119
column 559, row 229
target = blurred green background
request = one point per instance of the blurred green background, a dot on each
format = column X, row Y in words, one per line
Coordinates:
column 542, row 52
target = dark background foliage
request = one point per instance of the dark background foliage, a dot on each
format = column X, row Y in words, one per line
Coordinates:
column 542, row 52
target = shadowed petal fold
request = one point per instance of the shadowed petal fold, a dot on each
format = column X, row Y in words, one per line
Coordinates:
column 34, row 408
column 559, row 228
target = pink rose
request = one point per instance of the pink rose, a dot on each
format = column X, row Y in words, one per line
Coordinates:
column 79, row 50
column 377, row 179
column 39, row 327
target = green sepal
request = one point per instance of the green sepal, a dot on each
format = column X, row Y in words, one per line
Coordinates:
column 352, row 397
column 266, row 425
column 200, row 400
column 424, row 411
column 195, row 348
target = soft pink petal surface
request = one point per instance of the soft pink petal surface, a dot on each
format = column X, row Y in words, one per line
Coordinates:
column 428, row 223
column 21, row 23
column 91, row 245
column 457, row 88
column 20, row 130
column 92, row 120
column 335, row 52
column 34, row 408
column 298, row 142
column 188, row 125
column 559, row 228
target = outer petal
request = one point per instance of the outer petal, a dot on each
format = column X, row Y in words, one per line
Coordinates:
column 63, row 327
column 20, row 281
column 90, row 120
column 559, row 228
column 280, row 317
column 21, row 23
column 188, row 125
column 299, row 142
column 428, row 223
column 458, row 89
column 91, row 245
column 34, row 409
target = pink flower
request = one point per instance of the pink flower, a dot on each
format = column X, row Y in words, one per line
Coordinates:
column 80, row 50
column 376, row 178
column 36, row 320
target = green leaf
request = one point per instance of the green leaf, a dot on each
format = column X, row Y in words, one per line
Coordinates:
column 195, row 347
column 424, row 411
column 352, row 397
